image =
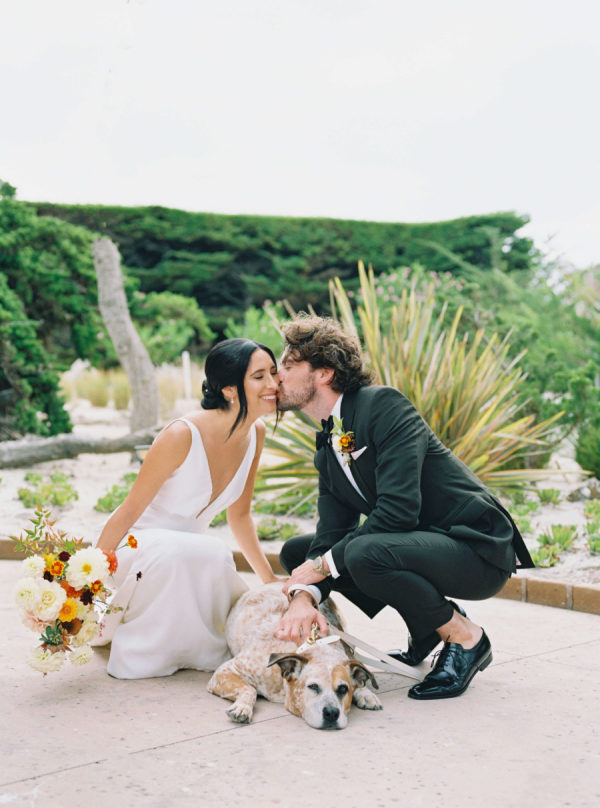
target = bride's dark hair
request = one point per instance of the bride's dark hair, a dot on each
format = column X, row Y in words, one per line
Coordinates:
column 226, row 365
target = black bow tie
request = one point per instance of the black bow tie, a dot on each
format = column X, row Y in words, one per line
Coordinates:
column 323, row 437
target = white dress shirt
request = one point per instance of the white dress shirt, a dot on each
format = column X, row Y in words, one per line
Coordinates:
column 336, row 412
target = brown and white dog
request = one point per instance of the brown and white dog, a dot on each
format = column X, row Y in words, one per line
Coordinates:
column 318, row 684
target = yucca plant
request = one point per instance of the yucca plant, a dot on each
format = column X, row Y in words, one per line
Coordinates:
column 467, row 389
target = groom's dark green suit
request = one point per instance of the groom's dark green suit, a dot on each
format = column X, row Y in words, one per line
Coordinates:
column 431, row 529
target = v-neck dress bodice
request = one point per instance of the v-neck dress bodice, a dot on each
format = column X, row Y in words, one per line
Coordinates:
column 177, row 587
column 183, row 502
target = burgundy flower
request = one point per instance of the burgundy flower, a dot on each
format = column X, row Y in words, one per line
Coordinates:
column 86, row 597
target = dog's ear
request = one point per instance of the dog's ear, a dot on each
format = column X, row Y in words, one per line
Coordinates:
column 361, row 675
column 290, row 664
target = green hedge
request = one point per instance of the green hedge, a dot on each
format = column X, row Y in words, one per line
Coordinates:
column 228, row 263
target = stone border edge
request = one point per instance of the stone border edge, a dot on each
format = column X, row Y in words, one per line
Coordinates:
column 578, row 597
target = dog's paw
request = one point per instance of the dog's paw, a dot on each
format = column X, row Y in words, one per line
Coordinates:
column 240, row 713
column 365, row 699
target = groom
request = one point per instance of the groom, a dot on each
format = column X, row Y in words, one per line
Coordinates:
column 431, row 529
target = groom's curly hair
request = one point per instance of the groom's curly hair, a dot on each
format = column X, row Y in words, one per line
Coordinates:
column 323, row 343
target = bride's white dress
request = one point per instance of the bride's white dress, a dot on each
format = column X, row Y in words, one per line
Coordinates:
column 175, row 611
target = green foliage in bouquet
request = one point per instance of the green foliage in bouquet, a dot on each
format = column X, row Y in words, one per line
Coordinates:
column 57, row 490
column 43, row 537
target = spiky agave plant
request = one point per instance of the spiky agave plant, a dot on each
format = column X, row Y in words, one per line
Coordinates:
column 467, row 389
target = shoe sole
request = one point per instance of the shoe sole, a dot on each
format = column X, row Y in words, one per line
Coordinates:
column 481, row 667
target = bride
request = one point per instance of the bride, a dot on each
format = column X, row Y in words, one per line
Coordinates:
column 175, row 610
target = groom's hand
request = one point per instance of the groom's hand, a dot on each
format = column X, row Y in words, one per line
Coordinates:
column 296, row 623
column 304, row 574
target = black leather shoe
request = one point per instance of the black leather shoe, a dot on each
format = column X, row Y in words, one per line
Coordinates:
column 419, row 649
column 453, row 670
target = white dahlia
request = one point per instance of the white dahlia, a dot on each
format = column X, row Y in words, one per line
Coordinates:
column 40, row 659
column 49, row 602
column 88, row 632
column 26, row 592
column 81, row 655
column 33, row 567
column 86, row 566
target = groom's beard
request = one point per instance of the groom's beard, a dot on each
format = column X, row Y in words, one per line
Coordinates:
column 297, row 400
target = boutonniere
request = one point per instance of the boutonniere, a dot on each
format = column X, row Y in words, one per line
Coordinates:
column 343, row 442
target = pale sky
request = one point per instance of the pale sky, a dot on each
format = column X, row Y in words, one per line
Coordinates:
column 384, row 109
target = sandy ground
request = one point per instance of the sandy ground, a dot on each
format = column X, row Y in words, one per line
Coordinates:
column 93, row 475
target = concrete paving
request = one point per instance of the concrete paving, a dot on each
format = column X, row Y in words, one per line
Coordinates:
column 526, row 733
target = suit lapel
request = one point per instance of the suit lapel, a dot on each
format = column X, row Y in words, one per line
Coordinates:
column 351, row 422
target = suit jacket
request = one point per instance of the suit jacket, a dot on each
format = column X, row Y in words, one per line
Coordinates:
column 410, row 481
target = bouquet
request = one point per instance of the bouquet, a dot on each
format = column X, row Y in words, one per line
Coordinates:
column 62, row 582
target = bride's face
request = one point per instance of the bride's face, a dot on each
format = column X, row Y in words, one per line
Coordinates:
column 260, row 384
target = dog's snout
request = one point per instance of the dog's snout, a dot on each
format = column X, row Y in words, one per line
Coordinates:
column 331, row 714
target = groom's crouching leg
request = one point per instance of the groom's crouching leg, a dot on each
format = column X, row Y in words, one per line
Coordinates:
column 294, row 551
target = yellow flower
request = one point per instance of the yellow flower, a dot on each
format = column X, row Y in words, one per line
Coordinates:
column 69, row 610
column 49, row 559
column 345, row 441
column 56, row 568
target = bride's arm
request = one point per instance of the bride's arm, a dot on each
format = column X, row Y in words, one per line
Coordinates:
column 241, row 522
column 168, row 451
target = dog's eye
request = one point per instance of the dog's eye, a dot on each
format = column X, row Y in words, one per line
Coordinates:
column 341, row 690
column 314, row 686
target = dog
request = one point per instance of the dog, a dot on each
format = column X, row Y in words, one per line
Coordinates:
column 317, row 683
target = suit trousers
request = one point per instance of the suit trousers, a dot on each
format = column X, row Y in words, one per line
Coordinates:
column 413, row 572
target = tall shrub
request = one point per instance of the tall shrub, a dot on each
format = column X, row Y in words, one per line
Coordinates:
column 468, row 390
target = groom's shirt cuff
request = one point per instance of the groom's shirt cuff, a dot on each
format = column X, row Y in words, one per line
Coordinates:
column 331, row 564
column 312, row 590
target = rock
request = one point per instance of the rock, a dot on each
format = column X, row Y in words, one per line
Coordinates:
column 589, row 490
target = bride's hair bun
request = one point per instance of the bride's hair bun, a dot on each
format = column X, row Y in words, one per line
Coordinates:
column 212, row 399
